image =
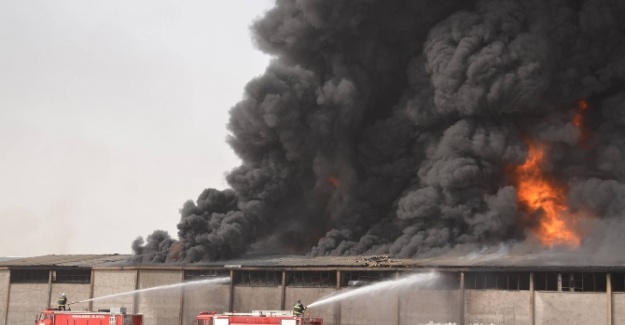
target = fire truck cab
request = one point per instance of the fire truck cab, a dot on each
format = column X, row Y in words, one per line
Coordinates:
column 279, row 317
column 113, row 316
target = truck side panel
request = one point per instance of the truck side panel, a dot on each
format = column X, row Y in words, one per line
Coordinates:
column 60, row 319
column 87, row 322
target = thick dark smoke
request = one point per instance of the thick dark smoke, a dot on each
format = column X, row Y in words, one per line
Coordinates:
column 388, row 127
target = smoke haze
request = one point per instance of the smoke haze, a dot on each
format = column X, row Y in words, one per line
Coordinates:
column 390, row 127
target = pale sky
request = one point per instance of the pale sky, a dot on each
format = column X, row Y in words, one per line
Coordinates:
column 113, row 114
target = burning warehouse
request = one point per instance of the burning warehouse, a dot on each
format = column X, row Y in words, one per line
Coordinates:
column 479, row 139
column 432, row 130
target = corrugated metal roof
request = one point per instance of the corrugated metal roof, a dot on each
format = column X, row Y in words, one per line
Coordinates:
column 470, row 261
column 528, row 261
column 65, row 261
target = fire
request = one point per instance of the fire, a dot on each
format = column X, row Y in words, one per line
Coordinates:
column 333, row 180
column 544, row 199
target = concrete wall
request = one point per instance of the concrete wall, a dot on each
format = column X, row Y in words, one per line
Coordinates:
column 161, row 306
column 308, row 296
column 20, row 302
column 247, row 299
column 27, row 300
column 4, row 295
column 564, row 308
column 618, row 308
column 74, row 292
column 423, row 306
column 370, row 309
column 113, row 282
column 204, row 298
column 497, row 307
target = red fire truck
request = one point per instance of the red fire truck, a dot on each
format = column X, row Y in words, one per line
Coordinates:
column 280, row 317
column 113, row 316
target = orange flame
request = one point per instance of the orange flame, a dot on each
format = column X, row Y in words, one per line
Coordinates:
column 545, row 200
column 333, row 180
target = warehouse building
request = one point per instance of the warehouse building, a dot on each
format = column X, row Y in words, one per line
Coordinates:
column 468, row 290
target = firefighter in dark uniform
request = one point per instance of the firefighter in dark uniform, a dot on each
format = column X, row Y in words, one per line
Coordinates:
column 298, row 309
column 62, row 301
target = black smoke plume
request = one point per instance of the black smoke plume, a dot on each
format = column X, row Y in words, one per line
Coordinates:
column 387, row 127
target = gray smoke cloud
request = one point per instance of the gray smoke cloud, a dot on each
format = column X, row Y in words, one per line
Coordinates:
column 389, row 127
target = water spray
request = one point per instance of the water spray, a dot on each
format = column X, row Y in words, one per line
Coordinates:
column 414, row 280
column 219, row 280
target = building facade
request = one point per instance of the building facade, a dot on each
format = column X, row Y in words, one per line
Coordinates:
column 465, row 291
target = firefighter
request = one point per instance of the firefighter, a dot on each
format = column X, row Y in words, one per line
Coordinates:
column 62, row 301
column 298, row 309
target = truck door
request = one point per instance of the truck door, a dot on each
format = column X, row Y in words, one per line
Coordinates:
column 44, row 319
column 203, row 322
column 221, row 321
column 127, row 319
